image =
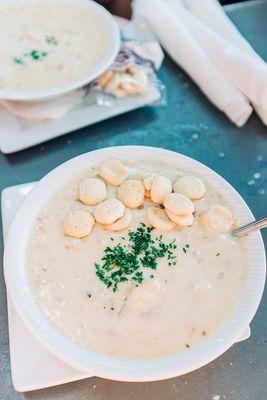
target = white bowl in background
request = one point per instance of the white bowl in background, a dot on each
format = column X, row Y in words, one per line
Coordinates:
column 107, row 366
column 112, row 48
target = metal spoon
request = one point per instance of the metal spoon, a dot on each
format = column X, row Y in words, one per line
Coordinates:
column 249, row 228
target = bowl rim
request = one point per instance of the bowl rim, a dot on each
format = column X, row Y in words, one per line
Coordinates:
column 112, row 48
column 108, row 366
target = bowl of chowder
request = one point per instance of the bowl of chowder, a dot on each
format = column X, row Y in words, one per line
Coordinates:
column 50, row 47
column 121, row 261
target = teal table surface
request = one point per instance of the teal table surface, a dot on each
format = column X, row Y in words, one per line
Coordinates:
column 191, row 125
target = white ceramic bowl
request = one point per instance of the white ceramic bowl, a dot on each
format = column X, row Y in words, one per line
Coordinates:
column 107, row 366
column 112, row 48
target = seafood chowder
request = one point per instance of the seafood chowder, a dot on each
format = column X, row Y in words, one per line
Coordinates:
column 48, row 43
column 136, row 260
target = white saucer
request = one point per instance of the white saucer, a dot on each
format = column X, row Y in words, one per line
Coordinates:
column 42, row 369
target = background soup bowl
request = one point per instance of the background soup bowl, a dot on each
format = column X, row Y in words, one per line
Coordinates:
column 112, row 48
column 112, row 367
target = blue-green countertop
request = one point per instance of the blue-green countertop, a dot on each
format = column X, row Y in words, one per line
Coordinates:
column 191, row 125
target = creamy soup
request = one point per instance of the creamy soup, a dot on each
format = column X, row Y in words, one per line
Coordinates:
column 47, row 43
column 186, row 280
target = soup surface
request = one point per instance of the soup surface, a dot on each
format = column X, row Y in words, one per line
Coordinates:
column 186, row 281
column 48, row 43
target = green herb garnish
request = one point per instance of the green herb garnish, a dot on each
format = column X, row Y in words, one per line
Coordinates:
column 50, row 39
column 186, row 248
column 36, row 54
column 18, row 60
column 187, row 345
column 126, row 262
column 218, row 254
column 89, row 295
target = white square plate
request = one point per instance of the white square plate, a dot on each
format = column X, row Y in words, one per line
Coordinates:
column 17, row 134
column 42, row 368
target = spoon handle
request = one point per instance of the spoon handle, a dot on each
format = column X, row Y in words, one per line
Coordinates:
column 249, row 228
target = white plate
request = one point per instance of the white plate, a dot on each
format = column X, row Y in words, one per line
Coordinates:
column 42, row 369
column 112, row 367
column 17, row 134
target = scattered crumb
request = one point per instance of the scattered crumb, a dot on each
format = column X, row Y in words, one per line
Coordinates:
column 221, row 275
column 193, row 332
column 94, row 386
column 203, row 333
column 39, row 223
column 221, row 154
column 257, row 175
column 261, row 191
column 205, row 127
column 251, row 182
column 195, row 136
column 216, row 397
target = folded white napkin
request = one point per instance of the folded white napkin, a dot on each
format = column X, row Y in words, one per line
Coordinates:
column 181, row 45
column 245, row 72
column 213, row 15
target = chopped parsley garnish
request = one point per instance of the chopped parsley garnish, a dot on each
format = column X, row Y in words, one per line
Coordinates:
column 36, row 54
column 186, row 248
column 112, row 308
column 50, row 39
column 89, row 295
column 187, row 345
column 18, row 60
column 151, row 276
column 218, row 254
column 126, row 262
column 33, row 54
